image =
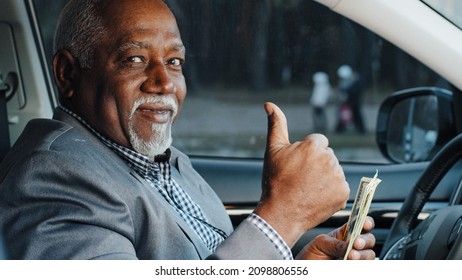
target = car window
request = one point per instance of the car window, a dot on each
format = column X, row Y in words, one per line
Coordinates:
column 327, row 73
column 450, row 9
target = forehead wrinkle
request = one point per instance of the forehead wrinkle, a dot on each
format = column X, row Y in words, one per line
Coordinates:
column 176, row 44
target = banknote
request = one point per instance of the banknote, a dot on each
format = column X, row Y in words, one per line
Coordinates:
column 360, row 209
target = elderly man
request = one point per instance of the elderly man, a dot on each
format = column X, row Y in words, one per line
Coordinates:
column 101, row 181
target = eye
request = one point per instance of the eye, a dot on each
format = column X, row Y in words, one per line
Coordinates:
column 135, row 59
column 175, row 62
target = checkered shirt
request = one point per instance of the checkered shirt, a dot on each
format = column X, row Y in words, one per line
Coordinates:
column 279, row 244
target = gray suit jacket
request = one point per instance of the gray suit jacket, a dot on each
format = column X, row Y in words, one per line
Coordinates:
column 65, row 195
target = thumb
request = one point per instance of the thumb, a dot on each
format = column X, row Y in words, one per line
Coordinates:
column 277, row 127
column 323, row 247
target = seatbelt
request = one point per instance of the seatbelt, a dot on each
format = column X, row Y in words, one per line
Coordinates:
column 8, row 88
column 4, row 131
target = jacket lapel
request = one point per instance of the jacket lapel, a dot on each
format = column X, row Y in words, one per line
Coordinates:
column 190, row 234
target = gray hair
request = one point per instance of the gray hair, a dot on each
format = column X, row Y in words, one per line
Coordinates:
column 79, row 29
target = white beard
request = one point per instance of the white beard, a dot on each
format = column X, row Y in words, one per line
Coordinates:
column 162, row 138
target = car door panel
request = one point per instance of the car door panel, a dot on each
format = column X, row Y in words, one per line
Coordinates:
column 237, row 182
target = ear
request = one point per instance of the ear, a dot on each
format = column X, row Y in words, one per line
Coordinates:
column 65, row 69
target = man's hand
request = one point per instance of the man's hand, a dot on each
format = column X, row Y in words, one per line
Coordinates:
column 330, row 246
column 303, row 183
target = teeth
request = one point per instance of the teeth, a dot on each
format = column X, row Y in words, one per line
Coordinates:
column 157, row 111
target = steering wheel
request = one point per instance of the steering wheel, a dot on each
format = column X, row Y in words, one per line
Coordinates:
column 439, row 236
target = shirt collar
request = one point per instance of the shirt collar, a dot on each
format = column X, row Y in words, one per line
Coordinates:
column 139, row 162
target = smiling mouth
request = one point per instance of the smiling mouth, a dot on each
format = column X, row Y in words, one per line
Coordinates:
column 155, row 113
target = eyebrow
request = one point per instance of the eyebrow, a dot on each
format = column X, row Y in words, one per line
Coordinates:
column 145, row 45
column 179, row 47
column 133, row 45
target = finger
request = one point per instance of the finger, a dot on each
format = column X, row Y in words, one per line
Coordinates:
column 330, row 246
column 277, row 126
column 319, row 139
column 369, row 224
column 361, row 255
column 364, row 241
column 338, row 233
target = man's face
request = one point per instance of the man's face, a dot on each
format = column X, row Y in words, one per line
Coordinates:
column 135, row 87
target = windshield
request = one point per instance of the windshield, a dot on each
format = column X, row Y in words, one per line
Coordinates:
column 450, row 9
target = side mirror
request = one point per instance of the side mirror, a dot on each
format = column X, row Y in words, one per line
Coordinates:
column 414, row 124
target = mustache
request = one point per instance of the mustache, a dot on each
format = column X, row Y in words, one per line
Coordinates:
column 162, row 100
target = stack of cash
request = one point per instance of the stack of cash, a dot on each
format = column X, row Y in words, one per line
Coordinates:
column 360, row 209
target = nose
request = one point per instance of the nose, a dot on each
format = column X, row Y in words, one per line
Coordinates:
column 158, row 80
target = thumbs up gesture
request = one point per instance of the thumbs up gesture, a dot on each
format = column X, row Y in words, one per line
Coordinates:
column 303, row 183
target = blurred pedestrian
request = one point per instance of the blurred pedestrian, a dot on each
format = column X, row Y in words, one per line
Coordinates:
column 319, row 99
column 350, row 88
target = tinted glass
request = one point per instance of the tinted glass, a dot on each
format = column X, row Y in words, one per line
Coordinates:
column 450, row 9
column 242, row 53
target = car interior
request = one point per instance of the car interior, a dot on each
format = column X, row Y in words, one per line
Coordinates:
column 243, row 53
